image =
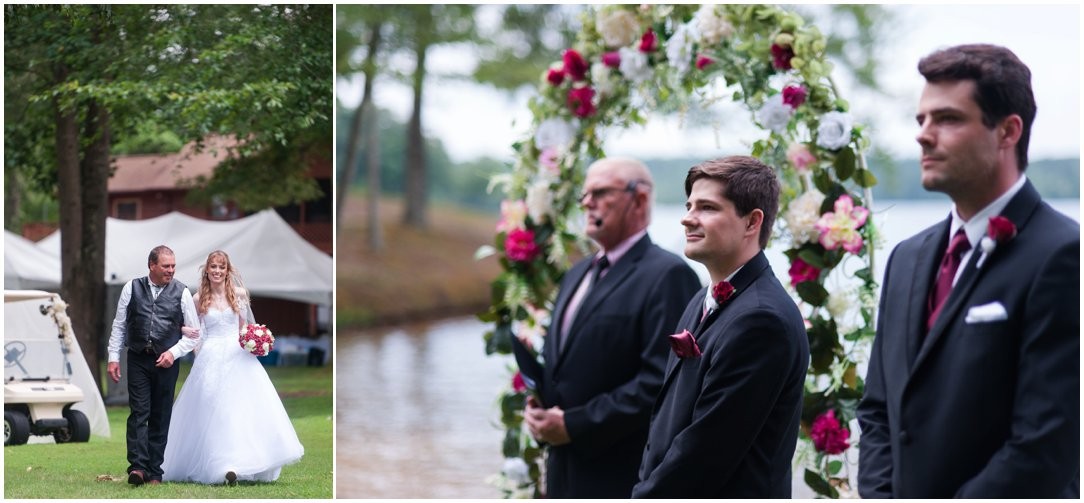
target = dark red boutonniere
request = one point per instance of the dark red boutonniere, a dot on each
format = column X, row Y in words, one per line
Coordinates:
column 684, row 345
column 1000, row 230
column 722, row 292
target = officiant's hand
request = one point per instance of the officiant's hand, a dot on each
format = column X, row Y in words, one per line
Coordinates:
column 113, row 368
column 165, row 360
column 546, row 425
column 190, row 332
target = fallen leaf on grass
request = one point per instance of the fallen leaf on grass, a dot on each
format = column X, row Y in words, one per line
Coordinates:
column 105, row 478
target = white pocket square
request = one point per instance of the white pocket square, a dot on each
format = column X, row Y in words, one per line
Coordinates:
column 986, row 313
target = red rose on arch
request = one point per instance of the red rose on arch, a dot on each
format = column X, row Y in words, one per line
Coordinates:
column 703, row 61
column 801, row 271
column 579, row 100
column 781, row 57
column 518, row 384
column 794, row 96
column 555, row 76
column 611, row 59
column 649, row 42
column 520, row 245
column 828, row 435
column 575, row 66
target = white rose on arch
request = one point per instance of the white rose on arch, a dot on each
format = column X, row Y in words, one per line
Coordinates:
column 555, row 133
column 540, row 201
column 634, row 64
column 802, row 215
column 713, row 28
column 834, row 131
column 618, row 28
column 679, row 49
column 774, row 114
column 601, row 77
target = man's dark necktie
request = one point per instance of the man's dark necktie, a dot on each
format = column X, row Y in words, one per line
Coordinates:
column 946, row 273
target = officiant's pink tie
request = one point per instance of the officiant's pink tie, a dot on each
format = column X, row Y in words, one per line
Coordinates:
column 947, row 272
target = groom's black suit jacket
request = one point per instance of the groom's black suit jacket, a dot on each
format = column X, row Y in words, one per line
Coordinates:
column 611, row 367
column 978, row 409
column 725, row 424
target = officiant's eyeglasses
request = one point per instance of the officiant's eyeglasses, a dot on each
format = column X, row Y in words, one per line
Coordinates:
column 598, row 194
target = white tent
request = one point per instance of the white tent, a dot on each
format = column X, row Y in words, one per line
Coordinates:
column 32, row 349
column 26, row 266
column 274, row 261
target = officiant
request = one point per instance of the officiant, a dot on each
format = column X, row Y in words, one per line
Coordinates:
column 606, row 346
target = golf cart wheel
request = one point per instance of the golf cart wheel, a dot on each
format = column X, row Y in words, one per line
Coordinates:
column 16, row 428
column 78, row 429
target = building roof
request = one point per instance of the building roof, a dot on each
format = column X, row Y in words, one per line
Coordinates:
column 137, row 173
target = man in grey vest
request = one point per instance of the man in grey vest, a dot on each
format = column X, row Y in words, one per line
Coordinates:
column 151, row 313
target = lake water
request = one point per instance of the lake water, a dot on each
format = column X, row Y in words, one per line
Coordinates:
column 416, row 415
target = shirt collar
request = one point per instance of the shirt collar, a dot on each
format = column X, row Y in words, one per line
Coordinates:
column 709, row 299
column 976, row 227
column 621, row 249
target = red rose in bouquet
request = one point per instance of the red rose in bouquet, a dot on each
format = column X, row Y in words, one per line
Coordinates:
column 256, row 339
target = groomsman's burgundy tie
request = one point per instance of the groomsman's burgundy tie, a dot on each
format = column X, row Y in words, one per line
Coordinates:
column 949, row 264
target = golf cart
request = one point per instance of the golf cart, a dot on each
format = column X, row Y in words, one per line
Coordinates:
column 38, row 389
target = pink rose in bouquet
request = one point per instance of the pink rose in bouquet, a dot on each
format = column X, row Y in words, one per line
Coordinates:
column 256, row 339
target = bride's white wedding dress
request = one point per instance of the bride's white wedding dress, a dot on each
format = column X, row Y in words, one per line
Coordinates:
column 228, row 416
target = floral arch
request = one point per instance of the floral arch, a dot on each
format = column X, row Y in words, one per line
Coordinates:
column 629, row 59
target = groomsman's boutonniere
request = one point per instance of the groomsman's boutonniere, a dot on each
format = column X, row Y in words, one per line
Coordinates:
column 684, row 345
column 1000, row 230
column 722, row 292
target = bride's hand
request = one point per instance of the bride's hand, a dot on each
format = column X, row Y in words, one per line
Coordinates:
column 190, row 332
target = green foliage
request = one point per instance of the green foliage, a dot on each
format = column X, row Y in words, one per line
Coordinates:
column 261, row 73
column 148, row 138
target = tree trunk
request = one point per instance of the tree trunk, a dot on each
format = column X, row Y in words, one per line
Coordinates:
column 346, row 179
column 91, row 276
column 372, row 162
column 416, row 178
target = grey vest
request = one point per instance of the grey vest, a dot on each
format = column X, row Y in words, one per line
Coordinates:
column 154, row 323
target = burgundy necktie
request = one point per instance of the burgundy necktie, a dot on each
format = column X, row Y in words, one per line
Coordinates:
column 947, row 272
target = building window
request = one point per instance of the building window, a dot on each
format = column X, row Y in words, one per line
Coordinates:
column 126, row 209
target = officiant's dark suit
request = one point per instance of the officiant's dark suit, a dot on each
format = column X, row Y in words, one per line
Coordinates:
column 726, row 422
column 604, row 358
column 981, row 400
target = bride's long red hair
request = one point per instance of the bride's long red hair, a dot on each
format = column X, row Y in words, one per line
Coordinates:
column 235, row 292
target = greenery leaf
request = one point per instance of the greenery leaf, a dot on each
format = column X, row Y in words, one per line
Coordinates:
column 819, row 485
column 812, row 293
column 844, row 164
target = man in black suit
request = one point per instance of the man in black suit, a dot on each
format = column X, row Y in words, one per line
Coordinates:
column 606, row 345
column 973, row 387
column 151, row 313
column 726, row 421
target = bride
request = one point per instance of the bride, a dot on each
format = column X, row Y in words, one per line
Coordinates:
column 228, row 422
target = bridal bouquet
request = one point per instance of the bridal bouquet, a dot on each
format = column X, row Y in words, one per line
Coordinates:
column 256, row 339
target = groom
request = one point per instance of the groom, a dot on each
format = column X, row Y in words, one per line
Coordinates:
column 150, row 314
column 973, row 388
column 726, row 420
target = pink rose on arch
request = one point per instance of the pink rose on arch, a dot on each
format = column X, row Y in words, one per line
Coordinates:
column 518, row 384
column 575, row 66
column 703, row 61
column 801, row 271
column 799, row 155
column 841, row 226
column 520, row 245
column 555, row 76
column 781, row 57
column 549, row 160
column 513, row 215
column 612, row 59
column 579, row 100
column 794, row 96
column 649, row 42
column 828, row 435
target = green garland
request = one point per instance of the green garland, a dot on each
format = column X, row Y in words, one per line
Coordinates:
column 631, row 59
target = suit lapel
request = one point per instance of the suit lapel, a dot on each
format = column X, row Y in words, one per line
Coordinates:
column 553, row 342
column 748, row 274
column 925, row 272
column 688, row 322
column 1018, row 211
column 605, row 286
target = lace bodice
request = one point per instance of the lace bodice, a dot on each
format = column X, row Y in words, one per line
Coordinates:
column 218, row 323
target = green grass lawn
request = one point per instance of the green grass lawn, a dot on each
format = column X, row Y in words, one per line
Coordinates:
column 96, row 469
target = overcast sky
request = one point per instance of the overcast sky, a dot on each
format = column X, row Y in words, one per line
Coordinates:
column 474, row 121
